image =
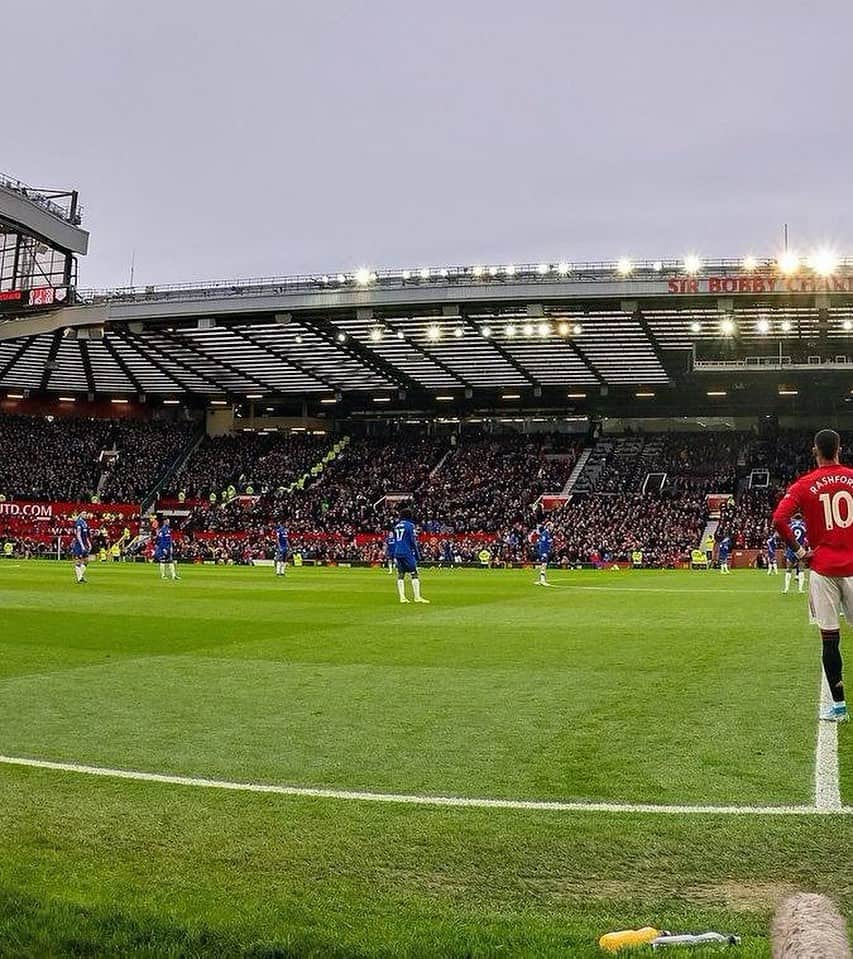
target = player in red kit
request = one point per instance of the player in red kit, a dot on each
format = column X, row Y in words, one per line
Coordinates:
column 825, row 498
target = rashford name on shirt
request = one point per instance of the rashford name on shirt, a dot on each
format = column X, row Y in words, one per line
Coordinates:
column 823, row 481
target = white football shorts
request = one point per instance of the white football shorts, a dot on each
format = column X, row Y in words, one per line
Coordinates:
column 829, row 597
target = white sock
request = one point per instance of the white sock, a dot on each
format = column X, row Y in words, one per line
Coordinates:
column 416, row 587
column 801, row 578
column 173, row 571
column 163, row 570
column 78, row 571
column 401, row 588
column 541, row 574
column 787, row 580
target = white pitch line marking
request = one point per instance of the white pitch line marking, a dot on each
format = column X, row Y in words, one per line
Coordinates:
column 827, row 792
column 711, row 591
column 417, row 800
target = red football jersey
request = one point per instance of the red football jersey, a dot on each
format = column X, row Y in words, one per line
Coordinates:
column 825, row 498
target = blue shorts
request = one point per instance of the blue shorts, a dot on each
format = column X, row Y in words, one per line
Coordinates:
column 791, row 558
column 281, row 555
column 544, row 557
column 406, row 565
column 78, row 551
column 163, row 555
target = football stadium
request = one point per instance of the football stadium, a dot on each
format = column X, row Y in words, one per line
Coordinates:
column 222, row 734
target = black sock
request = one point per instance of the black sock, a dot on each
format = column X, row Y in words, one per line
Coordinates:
column 832, row 663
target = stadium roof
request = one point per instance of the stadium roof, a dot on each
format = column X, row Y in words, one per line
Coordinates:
column 50, row 215
column 538, row 330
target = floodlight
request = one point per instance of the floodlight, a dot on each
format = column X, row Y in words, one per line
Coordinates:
column 788, row 262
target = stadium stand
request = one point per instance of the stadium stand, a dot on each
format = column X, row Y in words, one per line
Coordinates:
column 51, row 458
column 145, row 451
column 260, row 462
column 608, row 528
column 637, row 491
column 61, row 459
column 646, row 492
column 700, row 462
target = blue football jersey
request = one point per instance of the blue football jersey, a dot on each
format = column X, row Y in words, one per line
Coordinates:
column 81, row 531
column 281, row 538
column 798, row 528
column 406, row 541
column 544, row 542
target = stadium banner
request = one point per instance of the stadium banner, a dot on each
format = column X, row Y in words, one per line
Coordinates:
column 759, row 283
column 59, row 509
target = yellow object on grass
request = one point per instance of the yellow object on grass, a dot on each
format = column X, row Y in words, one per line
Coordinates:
column 614, row 941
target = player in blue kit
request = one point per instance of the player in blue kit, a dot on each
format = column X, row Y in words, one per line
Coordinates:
column 164, row 551
column 544, row 543
column 772, row 546
column 406, row 556
column 724, row 549
column 389, row 552
column 81, row 546
column 792, row 561
column 282, row 549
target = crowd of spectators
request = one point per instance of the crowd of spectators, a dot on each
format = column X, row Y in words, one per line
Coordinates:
column 249, row 462
column 67, row 459
column 145, row 450
column 746, row 519
column 694, row 462
column 491, row 484
column 603, row 528
column 351, row 494
column 51, row 459
column 642, row 492
column 477, row 484
column 461, row 488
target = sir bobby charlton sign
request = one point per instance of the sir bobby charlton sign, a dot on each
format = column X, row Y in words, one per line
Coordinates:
column 758, row 283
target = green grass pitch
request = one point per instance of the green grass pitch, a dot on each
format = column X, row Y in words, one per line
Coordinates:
column 626, row 687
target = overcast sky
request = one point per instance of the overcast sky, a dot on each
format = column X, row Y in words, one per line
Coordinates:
column 221, row 139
